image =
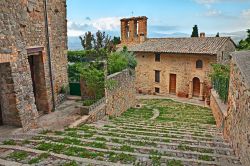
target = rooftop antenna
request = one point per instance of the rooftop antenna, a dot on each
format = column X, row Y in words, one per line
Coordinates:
column 132, row 13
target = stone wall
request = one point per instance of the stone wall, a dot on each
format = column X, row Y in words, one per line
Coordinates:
column 122, row 96
column 237, row 123
column 183, row 65
column 218, row 108
column 23, row 28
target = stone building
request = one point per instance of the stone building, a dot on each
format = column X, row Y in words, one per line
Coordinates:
column 33, row 60
column 237, row 121
column 178, row 66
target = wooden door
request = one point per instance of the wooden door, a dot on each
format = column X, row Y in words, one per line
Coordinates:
column 196, row 87
column 172, row 84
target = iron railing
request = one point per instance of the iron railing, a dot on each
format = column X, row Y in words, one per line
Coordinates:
column 221, row 86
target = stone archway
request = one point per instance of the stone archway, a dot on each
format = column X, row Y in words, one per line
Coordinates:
column 196, row 87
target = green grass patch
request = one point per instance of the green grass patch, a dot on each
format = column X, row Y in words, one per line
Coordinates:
column 9, row 142
column 174, row 163
column 206, row 158
column 18, row 155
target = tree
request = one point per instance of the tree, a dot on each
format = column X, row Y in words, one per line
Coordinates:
column 245, row 44
column 116, row 40
column 218, row 34
column 87, row 41
column 195, row 32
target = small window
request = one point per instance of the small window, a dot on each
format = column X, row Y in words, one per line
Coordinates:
column 157, row 76
column 157, row 57
column 157, row 90
column 199, row 64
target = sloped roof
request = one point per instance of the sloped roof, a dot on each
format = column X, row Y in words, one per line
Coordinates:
column 191, row 45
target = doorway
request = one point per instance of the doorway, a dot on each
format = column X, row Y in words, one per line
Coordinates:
column 172, row 84
column 38, row 82
column 196, row 87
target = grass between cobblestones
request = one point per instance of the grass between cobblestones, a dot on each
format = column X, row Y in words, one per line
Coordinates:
column 177, row 131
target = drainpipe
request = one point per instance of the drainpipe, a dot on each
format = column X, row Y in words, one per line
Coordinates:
column 49, row 54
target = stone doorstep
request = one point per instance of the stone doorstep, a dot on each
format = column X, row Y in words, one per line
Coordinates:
column 80, row 121
column 150, row 148
column 105, row 150
column 171, row 130
column 177, row 139
column 185, row 134
column 62, row 156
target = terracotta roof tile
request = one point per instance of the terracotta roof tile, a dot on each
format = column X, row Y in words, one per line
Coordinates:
column 196, row 45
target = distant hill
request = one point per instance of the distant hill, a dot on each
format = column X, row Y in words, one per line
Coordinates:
column 75, row 44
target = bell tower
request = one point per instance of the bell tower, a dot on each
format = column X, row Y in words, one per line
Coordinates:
column 133, row 30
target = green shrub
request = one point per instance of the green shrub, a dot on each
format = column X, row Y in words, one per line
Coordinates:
column 89, row 102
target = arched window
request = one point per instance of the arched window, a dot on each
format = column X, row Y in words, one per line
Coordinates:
column 199, row 64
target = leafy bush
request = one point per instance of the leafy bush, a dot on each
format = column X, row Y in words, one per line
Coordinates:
column 220, row 78
column 89, row 102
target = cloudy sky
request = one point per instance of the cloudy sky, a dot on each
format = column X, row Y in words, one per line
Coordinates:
column 165, row 16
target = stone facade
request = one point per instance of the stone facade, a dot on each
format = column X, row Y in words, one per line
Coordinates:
column 184, row 66
column 181, row 65
column 24, row 49
column 122, row 96
column 237, row 122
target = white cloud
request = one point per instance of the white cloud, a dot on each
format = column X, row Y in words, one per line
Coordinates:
column 213, row 12
column 102, row 24
column 246, row 13
column 109, row 23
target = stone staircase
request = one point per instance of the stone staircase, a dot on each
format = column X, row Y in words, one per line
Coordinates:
column 135, row 138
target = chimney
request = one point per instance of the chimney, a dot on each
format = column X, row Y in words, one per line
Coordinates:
column 202, row 34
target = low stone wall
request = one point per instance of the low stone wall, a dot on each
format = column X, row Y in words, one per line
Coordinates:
column 119, row 98
column 122, row 96
column 218, row 108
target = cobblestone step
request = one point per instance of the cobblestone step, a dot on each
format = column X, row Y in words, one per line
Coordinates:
column 62, row 156
column 171, row 129
column 146, row 137
column 169, row 132
column 148, row 149
column 164, row 159
column 183, row 125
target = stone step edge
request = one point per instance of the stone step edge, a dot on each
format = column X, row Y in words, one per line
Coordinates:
column 133, row 154
column 171, row 133
column 9, row 163
column 167, row 129
column 148, row 148
column 62, row 156
column 170, row 144
column 177, row 139
column 164, row 124
column 210, row 140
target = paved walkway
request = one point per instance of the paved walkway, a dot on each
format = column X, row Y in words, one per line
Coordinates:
column 193, row 101
column 67, row 113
